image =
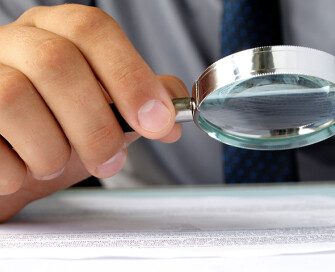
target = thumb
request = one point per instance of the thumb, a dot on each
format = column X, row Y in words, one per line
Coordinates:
column 176, row 88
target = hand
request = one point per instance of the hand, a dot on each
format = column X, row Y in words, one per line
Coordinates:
column 60, row 67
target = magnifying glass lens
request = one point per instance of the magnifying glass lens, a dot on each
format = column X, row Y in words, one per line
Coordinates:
column 279, row 111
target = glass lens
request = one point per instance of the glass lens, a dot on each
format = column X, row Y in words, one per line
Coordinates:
column 270, row 112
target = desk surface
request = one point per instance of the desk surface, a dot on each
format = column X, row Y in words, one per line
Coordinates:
column 243, row 228
column 245, row 190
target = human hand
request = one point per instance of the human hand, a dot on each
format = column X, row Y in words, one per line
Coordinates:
column 60, row 67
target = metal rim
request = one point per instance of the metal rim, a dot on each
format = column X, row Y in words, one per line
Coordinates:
column 260, row 61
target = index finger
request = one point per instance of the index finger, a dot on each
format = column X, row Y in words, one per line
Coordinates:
column 139, row 96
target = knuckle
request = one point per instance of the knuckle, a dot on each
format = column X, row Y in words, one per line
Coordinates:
column 132, row 73
column 29, row 13
column 99, row 137
column 12, row 86
column 97, row 141
column 53, row 58
column 86, row 20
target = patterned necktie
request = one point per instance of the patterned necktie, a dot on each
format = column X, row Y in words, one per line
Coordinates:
column 247, row 24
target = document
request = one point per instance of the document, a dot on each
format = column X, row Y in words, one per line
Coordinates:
column 167, row 228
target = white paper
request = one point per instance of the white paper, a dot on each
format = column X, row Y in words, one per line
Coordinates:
column 151, row 227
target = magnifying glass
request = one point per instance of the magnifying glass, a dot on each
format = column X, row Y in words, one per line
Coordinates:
column 266, row 98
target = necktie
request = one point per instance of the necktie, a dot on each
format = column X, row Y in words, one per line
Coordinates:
column 247, row 24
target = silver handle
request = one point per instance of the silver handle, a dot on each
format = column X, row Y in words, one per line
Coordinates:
column 184, row 109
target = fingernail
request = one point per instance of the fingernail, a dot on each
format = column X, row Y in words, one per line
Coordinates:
column 49, row 177
column 112, row 166
column 154, row 116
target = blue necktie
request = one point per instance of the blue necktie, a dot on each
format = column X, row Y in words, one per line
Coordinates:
column 248, row 24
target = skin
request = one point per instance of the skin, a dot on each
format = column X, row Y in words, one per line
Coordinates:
column 60, row 67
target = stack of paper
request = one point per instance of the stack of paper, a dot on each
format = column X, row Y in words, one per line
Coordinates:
column 277, row 228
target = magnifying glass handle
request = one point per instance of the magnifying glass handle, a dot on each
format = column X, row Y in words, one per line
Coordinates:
column 184, row 112
column 185, row 107
column 123, row 124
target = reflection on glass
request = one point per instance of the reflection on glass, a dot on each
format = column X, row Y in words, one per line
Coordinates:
column 257, row 113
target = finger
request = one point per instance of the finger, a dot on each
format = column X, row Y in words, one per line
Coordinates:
column 28, row 125
column 174, row 85
column 176, row 89
column 173, row 136
column 33, row 189
column 65, row 81
column 138, row 95
column 12, row 170
column 131, row 137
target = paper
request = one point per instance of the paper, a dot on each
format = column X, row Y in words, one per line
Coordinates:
column 157, row 226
